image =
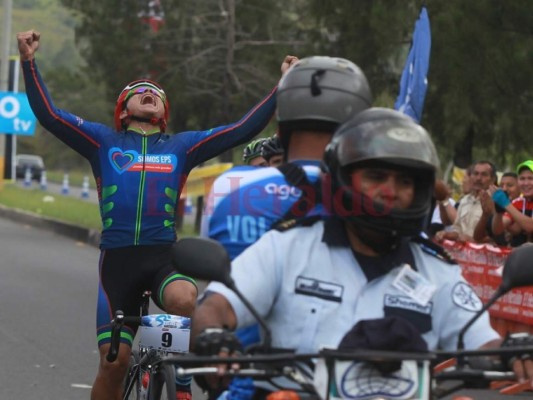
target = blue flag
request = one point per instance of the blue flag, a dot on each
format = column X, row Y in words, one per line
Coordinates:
column 413, row 84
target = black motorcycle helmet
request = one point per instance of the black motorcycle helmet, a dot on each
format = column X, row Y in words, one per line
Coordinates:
column 386, row 138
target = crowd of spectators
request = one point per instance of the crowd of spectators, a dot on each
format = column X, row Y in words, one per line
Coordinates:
column 488, row 209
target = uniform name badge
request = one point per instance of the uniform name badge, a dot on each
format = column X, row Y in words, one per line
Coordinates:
column 414, row 285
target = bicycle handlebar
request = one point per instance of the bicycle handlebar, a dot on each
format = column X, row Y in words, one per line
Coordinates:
column 116, row 327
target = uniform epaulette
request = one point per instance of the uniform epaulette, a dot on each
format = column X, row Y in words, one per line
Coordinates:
column 286, row 224
column 434, row 249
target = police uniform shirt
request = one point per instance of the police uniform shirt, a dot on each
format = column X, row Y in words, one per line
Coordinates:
column 311, row 289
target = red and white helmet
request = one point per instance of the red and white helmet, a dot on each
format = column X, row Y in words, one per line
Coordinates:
column 137, row 87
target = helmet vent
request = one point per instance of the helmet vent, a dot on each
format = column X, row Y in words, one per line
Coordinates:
column 315, row 89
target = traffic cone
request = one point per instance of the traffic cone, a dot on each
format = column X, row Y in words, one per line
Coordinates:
column 85, row 188
column 65, row 189
column 27, row 177
column 43, row 182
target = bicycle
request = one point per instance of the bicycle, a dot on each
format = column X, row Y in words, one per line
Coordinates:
column 208, row 260
column 159, row 335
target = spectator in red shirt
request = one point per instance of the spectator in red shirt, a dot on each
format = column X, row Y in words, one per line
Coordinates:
column 516, row 217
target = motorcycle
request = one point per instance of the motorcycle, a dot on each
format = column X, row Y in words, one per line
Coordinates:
column 333, row 374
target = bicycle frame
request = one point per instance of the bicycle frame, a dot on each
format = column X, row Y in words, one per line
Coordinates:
column 144, row 360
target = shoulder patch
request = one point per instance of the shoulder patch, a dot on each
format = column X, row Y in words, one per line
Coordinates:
column 464, row 296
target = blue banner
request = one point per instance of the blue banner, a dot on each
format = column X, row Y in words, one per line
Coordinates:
column 16, row 116
column 413, row 83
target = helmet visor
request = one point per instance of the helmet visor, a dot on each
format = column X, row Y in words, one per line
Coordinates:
column 409, row 145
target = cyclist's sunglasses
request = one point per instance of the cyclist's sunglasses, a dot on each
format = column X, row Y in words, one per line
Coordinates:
column 142, row 87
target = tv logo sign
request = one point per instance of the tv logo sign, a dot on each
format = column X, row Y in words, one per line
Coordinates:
column 16, row 116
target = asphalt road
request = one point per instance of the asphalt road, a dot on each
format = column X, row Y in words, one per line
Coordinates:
column 48, row 287
column 48, row 293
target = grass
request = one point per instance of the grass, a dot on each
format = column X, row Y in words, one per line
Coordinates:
column 63, row 208
column 59, row 207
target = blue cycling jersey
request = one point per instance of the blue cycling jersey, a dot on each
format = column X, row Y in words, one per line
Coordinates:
column 244, row 203
column 139, row 178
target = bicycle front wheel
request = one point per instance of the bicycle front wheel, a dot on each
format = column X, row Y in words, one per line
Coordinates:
column 133, row 380
column 163, row 383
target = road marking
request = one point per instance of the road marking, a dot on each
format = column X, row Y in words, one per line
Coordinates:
column 80, row 386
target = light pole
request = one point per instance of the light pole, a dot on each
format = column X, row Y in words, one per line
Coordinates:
column 4, row 76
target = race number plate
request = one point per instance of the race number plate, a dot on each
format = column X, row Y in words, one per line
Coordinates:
column 165, row 332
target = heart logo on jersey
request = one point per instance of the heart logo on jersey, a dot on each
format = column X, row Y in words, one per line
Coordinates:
column 120, row 160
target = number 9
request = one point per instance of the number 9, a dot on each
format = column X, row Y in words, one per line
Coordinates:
column 166, row 339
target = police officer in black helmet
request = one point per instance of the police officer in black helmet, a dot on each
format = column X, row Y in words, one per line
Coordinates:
column 381, row 140
column 312, row 284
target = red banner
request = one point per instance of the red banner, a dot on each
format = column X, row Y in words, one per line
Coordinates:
column 482, row 265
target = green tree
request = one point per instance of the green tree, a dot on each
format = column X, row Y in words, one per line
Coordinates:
column 479, row 102
column 216, row 58
column 480, row 98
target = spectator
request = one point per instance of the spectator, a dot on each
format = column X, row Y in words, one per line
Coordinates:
column 516, row 217
column 444, row 211
column 509, row 184
column 483, row 232
column 470, row 210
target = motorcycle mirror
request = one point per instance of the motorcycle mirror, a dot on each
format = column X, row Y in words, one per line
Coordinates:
column 208, row 260
column 518, row 268
column 202, row 258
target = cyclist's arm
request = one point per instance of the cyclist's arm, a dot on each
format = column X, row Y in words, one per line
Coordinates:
column 80, row 135
column 204, row 145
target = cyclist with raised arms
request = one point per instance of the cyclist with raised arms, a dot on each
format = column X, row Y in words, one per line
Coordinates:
column 139, row 172
column 312, row 284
